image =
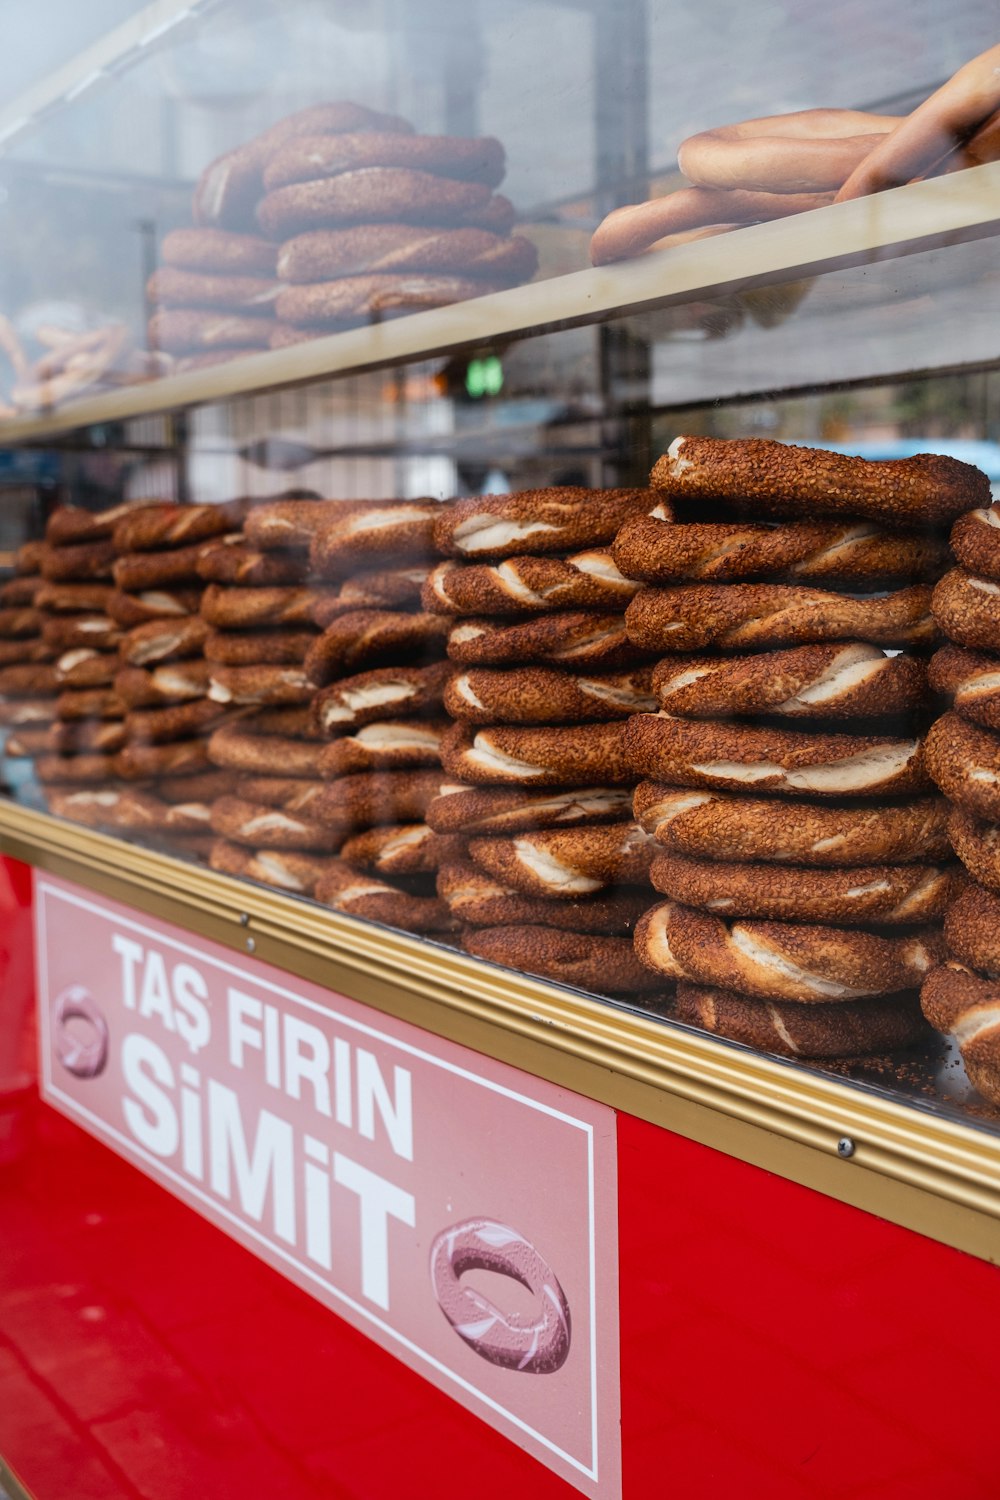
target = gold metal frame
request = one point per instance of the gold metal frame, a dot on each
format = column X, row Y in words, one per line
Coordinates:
column 929, row 1174
column 922, row 216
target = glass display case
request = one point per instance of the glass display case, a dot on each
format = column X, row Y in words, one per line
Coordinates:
column 579, row 659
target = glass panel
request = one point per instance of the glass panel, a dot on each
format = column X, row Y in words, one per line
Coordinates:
column 431, row 711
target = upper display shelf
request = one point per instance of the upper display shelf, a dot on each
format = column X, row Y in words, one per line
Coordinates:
column 227, row 196
column 925, row 216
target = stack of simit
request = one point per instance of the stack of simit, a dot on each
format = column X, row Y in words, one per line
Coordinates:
column 385, row 222
column 78, row 760
column 380, row 673
column 963, row 756
column 258, row 612
column 214, row 294
column 543, row 681
column 800, row 926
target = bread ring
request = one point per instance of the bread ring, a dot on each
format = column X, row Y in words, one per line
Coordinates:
column 19, row 592
column 87, row 768
column 543, row 521
column 128, row 610
column 947, row 119
column 369, row 636
column 203, row 787
column 262, row 686
column 176, row 567
column 281, row 524
column 227, row 191
column 79, row 563
column 371, row 797
column 157, row 528
column 369, row 696
column 89, row 703
column 74, row 598
column 601, row 965
column 782, row 960
column 977, row 844
column 157, row 641
column 174, row 682
column 806, row 152
column 475, row 809
column 171, row 286
column 560, row 757
column 33, row 739
column 731, row 757
column 247, row 648
column 776, row 479
column 393, row 588
column 372, row 195
column 724, row 826
column 402, row 849
column 16, row 624
column 815, row 552
column 18, row 711
column 854, row 681
column 244, row 609
column 15, row 653
column 176, row 758
column 971, row 679
column 229, row 559
column 370, row 298
column 262, row 754
column 889, row 895
column 71, row 739
column 351, row 537
column 373, row 249
column 123, row 808
column 310, row 157
column 295, row 792
column 71, row 524
column 181, row 329
column 85, row 668
column 691, row 616
column 474, row 897
column 175, row 721
column 972, row 929
column 362, row 895
column 566, row 862
column 65, row 631
column 857, row 1029
column 543, row 695
column 294, row 723
column 975, row 541
column 958, row 1002
column 964, row 761
column 526, row 585
column 387, row 744
column 268, row 827
column 967, row 609
column 286, row 869
column 219, row 250
column 28, row 680
column 637, row 227
column 579, row 640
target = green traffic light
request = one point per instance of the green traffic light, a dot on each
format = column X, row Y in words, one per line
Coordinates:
column 484, row 377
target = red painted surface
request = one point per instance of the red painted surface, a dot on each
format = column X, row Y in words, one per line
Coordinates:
column 775, row 1343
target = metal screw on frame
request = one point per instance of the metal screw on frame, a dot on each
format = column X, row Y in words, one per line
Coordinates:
column 845, row 1147
column 251, row 945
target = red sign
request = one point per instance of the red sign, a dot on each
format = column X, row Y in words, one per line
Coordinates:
column 458, row 1211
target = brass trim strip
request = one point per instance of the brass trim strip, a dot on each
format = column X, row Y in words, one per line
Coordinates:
column 921, row 216
column 931, row 1174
